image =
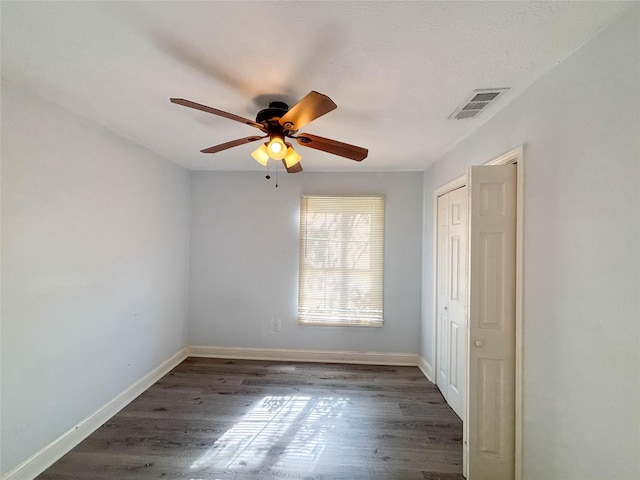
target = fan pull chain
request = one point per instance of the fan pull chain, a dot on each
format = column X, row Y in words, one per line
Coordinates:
column 268, row 176
column 277, row 174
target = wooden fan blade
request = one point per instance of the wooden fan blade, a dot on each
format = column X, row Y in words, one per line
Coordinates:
column 220, row 113
column 333, row 146
column 232, row 143
column 293, row 168
column 312, row 106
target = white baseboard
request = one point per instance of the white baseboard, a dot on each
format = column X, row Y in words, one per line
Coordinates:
column 426, row 368
column 49, row 454
column 323, row 356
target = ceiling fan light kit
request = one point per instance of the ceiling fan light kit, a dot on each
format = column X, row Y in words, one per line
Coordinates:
column 278, row 122
column 276, row 147
column 261, row 155
column 292, row 157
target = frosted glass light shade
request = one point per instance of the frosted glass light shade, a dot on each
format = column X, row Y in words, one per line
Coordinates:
column 261, row 155
column 292, row 157
column 276, row 148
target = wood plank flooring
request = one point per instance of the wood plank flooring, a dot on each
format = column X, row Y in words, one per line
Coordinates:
column 235, row 419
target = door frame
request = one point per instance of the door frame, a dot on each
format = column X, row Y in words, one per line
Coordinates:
column 516, row 157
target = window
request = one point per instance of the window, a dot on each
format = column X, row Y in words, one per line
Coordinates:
column 341, row 260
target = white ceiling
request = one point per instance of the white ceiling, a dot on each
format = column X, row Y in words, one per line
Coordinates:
column 396, row 70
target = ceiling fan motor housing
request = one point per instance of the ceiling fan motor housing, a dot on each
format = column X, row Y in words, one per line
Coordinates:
column 274, row 111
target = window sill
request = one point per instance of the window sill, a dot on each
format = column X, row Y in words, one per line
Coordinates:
column 339, row 324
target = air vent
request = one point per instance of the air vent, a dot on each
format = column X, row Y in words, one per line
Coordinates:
column 478, row 101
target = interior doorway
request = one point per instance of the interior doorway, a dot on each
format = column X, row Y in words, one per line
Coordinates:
column 486, row 399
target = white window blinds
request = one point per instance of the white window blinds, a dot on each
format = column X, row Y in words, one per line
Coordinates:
column 341, row 260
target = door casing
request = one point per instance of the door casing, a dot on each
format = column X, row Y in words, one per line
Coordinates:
column 516, row 157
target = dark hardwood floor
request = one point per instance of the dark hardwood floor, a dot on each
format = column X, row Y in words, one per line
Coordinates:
column 238, row 419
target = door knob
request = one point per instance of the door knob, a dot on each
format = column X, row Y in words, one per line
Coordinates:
column 479, row 343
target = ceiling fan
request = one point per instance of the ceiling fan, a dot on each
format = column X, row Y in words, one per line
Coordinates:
column 278, row 122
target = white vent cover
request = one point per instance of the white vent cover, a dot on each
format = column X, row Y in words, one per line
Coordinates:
column 477, row 102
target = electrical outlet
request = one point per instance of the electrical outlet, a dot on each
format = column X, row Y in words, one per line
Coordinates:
column 275, row 324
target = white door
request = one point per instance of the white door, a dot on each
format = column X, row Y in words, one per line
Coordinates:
column 452, row 297
column 442, row 300
column 491, row 388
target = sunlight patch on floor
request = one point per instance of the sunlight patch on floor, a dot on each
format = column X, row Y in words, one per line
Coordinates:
column 280, row 432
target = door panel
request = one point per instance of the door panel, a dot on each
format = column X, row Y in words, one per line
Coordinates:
column 491, row 291
column 491, row 383
column 491, row 395
column 442, row 347
column 457, row 304
column 451, row 298
column 454, row 369
column 455, row 267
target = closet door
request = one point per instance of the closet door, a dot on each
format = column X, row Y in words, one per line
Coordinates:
column 442, row 298
column 457, row 305
column 491, row 414
column 451, row 300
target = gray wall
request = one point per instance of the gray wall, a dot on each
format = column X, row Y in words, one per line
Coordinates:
column 94, row 269
column 244, row 260
column 580, row 125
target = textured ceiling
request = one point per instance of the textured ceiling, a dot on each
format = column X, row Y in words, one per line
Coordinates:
column 396, row 70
